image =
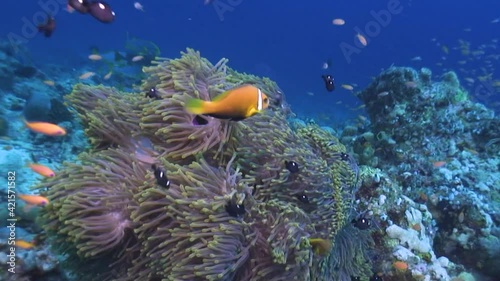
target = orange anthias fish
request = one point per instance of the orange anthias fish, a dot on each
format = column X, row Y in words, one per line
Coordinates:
column 400, row 265
column 137, row 58
column 45, row 128
column 320, row 246
column 439, row 164
column 86, row 75
column 34, row 199
column 362, row 39
column 107, row 76
column 347, row 87
column 42, row 170
column 49, row 83
column 24, row 244
column 338, row 22
column 95, row 57
column 235, row 104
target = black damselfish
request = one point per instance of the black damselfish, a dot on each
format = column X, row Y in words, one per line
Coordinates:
column 329, row 82
column 234, row 209
column 101, row 11
column 376, row 277
column 344, row 156
column 161, row 176
column 81, row 6
column 302, row 197
column 292, row 166
column 48, row 27
column 362, row 223
column 153, row 94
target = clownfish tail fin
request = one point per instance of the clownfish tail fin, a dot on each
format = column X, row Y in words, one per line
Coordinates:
column 195, row 106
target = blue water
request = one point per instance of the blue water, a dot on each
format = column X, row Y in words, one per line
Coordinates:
column 285, row 40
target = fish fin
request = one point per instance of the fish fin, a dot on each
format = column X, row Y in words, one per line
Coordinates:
column 25, row 122
column 226, row 117
column 195, row 106
column 119, row 56
column 252, row 112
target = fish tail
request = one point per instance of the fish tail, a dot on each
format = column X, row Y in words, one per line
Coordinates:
column 26, row 124
column 195, row 106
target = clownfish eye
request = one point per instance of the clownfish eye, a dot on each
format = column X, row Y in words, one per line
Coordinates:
column 266, row 100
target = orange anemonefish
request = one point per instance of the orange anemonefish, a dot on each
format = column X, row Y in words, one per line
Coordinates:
column 42, row 170
column 45, row 128
column 235, row 104
column 34, row 199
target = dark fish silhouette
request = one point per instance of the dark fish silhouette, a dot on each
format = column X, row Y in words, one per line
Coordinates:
column 234, row 209
column 344, row 156
column 362, row 223
column 329, row 82
column 302, row 197
column 292, row 166
column 48, row 27
column 101, row 11
column 153, row 94
column 161, row 176
column 82, row 6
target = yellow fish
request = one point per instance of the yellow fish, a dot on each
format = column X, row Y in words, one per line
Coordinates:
column 320, row 246
column 49, row 83
column 235, row 104
column 24, row 244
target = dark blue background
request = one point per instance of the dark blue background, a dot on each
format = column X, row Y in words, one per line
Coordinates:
column 285, row 40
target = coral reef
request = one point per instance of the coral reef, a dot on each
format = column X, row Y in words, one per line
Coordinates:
column 4, row 126
column 108, row 212
column 440, row 149
column 40, row 263
column 26, row 91
column 350, row 258
column 37, row 107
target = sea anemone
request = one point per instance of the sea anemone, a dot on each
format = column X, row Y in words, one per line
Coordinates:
column 110, row 116
column 176, row 132
column 89, row 213
column 186, row 232
column 234, row 210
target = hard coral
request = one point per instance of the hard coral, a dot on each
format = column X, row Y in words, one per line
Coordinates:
column 109, row 212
